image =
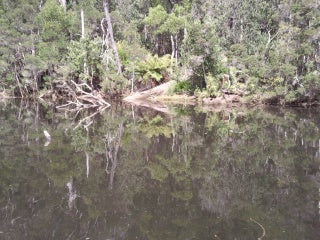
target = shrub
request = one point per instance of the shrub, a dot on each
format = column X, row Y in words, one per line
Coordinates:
column 153, row 68
column 131, row 53
column 212, row 85
column 183, row 87
column 311, row 83
column 114, row 83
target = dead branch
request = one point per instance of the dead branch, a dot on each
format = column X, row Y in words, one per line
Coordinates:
column 81, row 99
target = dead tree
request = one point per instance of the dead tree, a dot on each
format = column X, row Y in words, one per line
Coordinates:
column 110, row 34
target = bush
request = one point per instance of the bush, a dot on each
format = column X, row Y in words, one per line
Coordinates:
column 312, row 84
column 85, row 52
column 114, row 83
column 252, row 86
column 212, row 85
column 201, row 93
column 154, row 67
column 131, row 53
column 183, row 87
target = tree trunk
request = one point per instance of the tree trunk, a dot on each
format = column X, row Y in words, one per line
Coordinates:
column 82, row 25
column 173, row 51
column 110, row 31
column 85, row 67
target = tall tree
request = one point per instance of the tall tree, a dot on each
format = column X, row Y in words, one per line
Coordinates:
column 110, row 32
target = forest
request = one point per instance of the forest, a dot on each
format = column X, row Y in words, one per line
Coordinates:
column 261, row 50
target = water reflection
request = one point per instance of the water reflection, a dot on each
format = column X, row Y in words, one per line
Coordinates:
column 135, row 173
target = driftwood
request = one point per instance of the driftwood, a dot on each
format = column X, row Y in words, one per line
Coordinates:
column 82, row 99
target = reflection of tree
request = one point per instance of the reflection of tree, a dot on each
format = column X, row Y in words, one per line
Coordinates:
column 112, row 144
column 192, row 176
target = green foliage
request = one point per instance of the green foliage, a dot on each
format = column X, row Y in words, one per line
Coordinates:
column 156, row 16
column 274, row 82
column 292, row 97
column 86, row 53
column 265, row 40
column 312, row 84
column 163, row 22
column 130, row 54
column 184, row 87
column 158, row 172
column 53, row 20
column 154, row 67
column 114, row 83
column 173, row 24
column 212, row 86
column 54, row 25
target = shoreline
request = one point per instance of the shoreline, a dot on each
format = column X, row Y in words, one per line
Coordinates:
column 161, row 95
column 158, row 97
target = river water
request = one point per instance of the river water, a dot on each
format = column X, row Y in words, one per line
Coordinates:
column 135, row 173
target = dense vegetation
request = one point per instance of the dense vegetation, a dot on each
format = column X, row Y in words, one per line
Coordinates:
column 245, row 47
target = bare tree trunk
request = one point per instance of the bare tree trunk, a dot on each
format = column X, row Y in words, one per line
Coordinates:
column 110, row 31
column 82, row 25
column 145, row 31
column 173, row 51
column 241, row 31
column 85, row 67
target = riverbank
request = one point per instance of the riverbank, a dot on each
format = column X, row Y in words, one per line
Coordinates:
column 159, row 96
column 162, row 94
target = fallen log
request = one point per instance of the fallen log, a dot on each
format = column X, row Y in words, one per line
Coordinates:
column 150, row 94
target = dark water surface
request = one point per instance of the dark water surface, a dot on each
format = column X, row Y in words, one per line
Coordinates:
column 134, row 173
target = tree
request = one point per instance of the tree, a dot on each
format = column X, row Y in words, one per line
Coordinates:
column 110, row 32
